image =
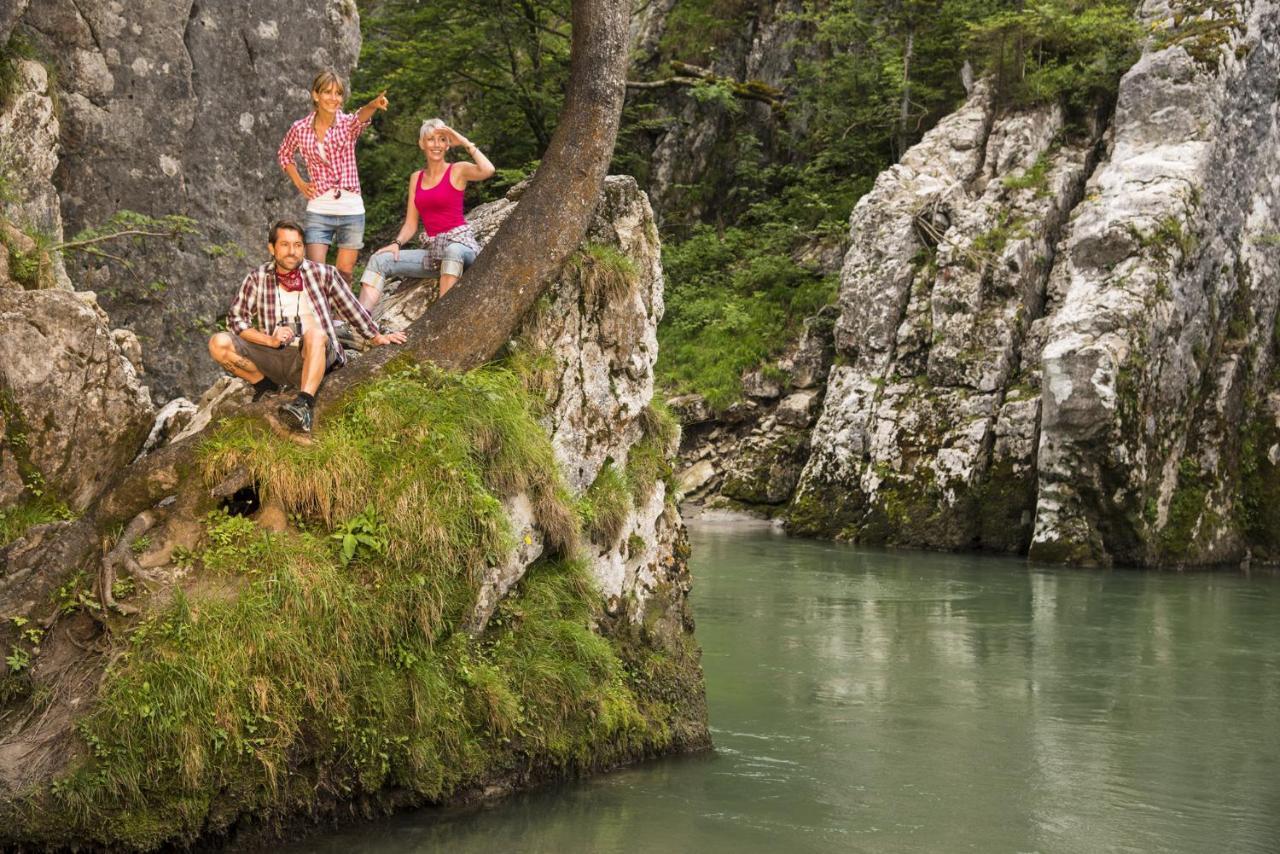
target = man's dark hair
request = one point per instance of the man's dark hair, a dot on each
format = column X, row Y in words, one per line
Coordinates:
column 280, row 225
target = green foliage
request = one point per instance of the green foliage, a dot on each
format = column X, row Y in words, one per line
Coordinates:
column 1050, row 50
column 16, row 49
column 733, row 300
column 496, row 69
column 290, row 669
column 1036, row 178
column 1202, row 28
column 1186, row 509
column 34, row 510
column 696, row 29
column 605, row 505
column 361, row 535
column 649, row 459
column 606, row 275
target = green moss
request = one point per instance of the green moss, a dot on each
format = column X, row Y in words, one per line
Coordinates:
column 1004, row 504
column 282, row 677
column 988, row 245
column 1202, row 28
column 823, row 510
column 14, row 51
column 1036, row 178
column 1258, row 508
column 1186, row 509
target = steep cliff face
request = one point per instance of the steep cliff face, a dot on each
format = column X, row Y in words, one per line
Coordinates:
column 514, row 609
column 1037, row 352
column 176, row 107
column 73, row 407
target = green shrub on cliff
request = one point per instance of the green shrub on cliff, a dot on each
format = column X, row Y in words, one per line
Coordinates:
column 1070, row 50
column 290, row 672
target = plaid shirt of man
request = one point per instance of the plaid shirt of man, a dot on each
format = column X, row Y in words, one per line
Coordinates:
column 255, row 305
column 337, row 166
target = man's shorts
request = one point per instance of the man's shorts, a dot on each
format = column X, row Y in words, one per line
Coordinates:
column 282, row 365
column 344, row 231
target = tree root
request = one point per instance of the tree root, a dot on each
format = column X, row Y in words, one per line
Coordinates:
column 121, row 557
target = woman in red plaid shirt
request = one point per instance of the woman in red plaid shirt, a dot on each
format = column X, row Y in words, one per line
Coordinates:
column 326, row 139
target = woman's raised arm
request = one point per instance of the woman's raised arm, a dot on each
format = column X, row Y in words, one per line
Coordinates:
column 479, row 170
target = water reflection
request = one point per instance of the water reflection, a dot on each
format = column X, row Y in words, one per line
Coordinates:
column 907, row 702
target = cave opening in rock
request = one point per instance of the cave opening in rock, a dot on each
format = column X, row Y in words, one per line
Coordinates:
column 243, row 502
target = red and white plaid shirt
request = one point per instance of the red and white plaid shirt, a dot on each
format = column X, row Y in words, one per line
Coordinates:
column 255, row 305
column 337, row 166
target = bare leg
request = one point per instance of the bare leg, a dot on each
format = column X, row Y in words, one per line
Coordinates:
column 317, row 252
column 223, row 351
column 369, row 296
column 446, row 282
column 346, row 262
column 313, row 359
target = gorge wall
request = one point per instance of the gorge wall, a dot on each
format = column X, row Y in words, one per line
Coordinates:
column 1060, row 340
column 176, row 107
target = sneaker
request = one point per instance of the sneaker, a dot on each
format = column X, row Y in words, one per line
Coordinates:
column 297, row 415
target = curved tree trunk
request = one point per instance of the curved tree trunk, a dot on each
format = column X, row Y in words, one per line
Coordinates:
column 470, row 324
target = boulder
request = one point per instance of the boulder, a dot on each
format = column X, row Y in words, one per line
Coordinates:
column 70, row 393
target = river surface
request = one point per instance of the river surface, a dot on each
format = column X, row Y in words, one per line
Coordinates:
column 871, row 701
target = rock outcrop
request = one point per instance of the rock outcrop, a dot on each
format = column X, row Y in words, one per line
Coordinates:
column 75, row 411
column 177, row 108
column 1055, row 346
column 751, row 455
column 588, row 353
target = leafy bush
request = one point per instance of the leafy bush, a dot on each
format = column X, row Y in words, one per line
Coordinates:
column 733, row 300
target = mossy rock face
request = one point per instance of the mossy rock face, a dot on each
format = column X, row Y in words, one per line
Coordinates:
column 1005, row 508
column 1259, row 505
column 823, row 510
column 914, row 512
column 767, row 475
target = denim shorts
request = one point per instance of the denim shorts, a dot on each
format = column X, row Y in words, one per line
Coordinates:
column 347, row 232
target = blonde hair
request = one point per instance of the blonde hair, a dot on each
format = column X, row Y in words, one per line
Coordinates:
column 429, row 127
column 325, row 79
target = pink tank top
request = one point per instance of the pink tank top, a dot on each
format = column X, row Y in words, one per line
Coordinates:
column 439, row 208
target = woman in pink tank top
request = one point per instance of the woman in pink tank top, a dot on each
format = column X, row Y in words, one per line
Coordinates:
column 435, row 201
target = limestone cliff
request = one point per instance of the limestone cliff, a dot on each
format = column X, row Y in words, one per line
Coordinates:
column 176, row 107
column 1060, row 342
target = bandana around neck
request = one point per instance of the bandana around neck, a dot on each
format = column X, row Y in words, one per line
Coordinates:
column 290, row 281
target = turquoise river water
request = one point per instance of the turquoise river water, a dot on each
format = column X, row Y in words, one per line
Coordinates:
column 873, row 701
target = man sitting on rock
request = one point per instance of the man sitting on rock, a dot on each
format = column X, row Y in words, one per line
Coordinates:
column 281, row 325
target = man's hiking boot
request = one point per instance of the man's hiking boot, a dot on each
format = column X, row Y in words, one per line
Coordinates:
column 297, row 415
